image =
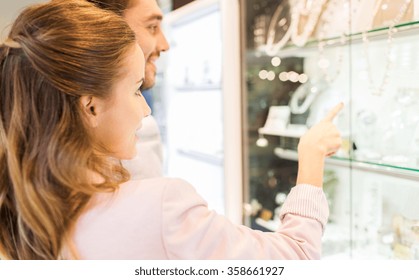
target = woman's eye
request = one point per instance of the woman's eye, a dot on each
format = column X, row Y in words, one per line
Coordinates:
column 138, row 92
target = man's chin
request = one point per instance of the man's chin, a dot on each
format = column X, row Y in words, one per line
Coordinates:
column 150, row 76
column 148, row 83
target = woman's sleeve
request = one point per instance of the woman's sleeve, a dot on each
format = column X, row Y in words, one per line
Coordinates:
column 191, row 231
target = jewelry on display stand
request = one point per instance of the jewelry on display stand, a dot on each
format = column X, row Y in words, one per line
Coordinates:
column 277, row 119
column 273, row 48
column 262, row 141
column 308, row 92
column 391, row 30
column 309, row 9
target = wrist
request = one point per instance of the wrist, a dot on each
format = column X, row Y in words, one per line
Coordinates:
column 310, row 169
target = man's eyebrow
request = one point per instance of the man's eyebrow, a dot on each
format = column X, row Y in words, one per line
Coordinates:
column 154, row 17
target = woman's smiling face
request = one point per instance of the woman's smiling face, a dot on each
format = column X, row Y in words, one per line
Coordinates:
column 120, row 116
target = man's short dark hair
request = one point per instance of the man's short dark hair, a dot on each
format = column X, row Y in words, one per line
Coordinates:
column 116, row 6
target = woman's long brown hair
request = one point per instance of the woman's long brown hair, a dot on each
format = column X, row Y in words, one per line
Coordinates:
column 61, row 50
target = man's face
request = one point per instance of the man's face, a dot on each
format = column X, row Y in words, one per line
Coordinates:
column 144, row 17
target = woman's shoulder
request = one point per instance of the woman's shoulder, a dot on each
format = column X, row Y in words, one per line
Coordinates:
column 140, row 195
column 134, row 214
column 156, row 185
column 154, row 192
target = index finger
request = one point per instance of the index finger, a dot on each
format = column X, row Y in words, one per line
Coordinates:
column 332, row 113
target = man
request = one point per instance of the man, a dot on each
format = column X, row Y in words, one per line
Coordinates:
column 144, row 17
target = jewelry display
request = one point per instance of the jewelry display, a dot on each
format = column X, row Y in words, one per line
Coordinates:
column 364, row 136
column 399, row 134
column 305, row 15
column 324, row 63
column 265, row 194
column 388, row 11
column 278, row 118
column 378, row 90
column 406, row 238
column 362, row 53
column 279, row 22
column 372, row 209
column 306, row 93
column 259, row 31
column 334, row 20
column 262, row 141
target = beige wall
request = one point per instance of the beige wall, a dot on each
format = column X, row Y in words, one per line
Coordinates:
column 9, row 9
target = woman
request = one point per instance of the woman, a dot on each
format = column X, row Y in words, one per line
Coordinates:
column 144, row 18
column 70, row 105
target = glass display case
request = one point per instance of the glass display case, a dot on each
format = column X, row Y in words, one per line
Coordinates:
column 302, row 57
column 197, row 78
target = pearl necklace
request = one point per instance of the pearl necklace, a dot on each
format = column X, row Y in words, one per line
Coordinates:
column 307, row 8
column 271, row 47
column 324, row 64
column 325, row 23
column 391, row 30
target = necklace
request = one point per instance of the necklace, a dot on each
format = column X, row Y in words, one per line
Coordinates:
column 272, row 48
column 305, row 13
column 325, row 65
column 386, row 12
column 334, row 10
column 391, row 30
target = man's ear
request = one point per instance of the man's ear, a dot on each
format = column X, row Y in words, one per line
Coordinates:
column 88, row 104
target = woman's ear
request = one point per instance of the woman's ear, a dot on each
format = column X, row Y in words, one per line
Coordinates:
column 88, row 107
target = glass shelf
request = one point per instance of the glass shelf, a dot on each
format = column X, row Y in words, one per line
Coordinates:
column 407, row 28
column 403, row 29
column 295, row 131
column 376, row 167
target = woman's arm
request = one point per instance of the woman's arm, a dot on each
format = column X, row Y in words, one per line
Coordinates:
column 322, row 140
